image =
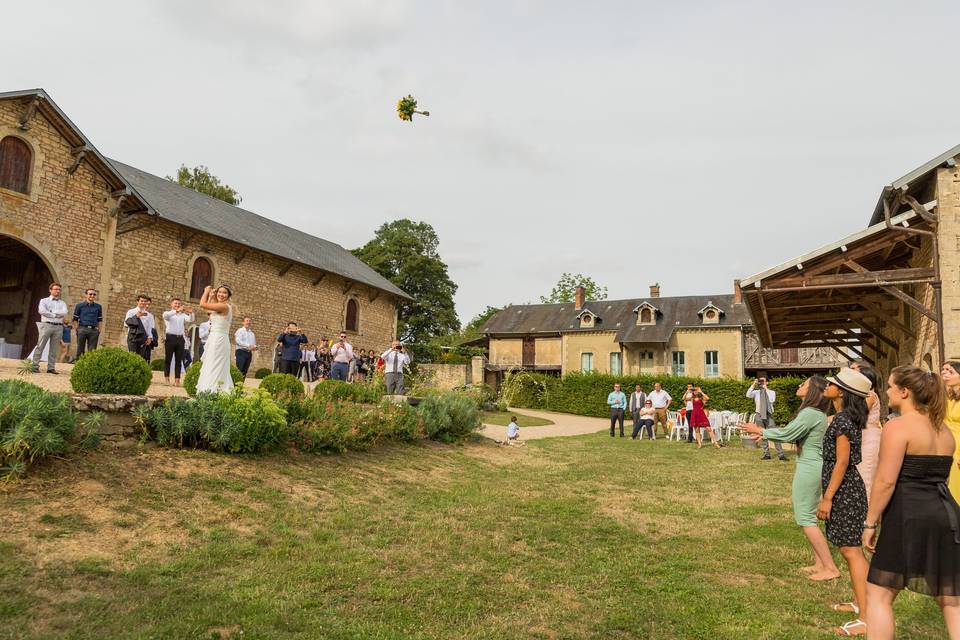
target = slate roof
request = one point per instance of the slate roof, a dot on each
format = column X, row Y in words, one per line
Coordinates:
column 199, row 211
column 616, row 315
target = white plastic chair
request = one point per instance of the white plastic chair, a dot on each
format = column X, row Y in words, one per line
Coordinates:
column 680, row 428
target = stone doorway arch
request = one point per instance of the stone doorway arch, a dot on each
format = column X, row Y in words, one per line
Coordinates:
column 25, row 275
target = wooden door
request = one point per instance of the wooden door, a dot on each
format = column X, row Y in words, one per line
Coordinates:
column 529, row 352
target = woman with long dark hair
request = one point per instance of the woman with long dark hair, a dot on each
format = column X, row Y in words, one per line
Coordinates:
column 806, row 429
column 919, row 545
column 844, row 502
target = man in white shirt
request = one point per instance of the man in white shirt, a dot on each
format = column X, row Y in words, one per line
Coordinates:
column 661, row 402
column 394, row 359
column 246, row 345
column 175, row 320
column 763, row 399
column 341, row 353
column 140, row 328
column 52, row 310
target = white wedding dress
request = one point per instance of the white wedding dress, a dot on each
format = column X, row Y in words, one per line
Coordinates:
column 215, row 367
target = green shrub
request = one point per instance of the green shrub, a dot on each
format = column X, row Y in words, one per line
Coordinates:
column 157, row 365
column 363, row 392
column 335, row 427
column 262, row 373
column 231, row 423
column 483, row 396
column 193, row 374
column 449, row 417
column 278, row 383
column 111, row 370
column 586, row 393
column 34, row 423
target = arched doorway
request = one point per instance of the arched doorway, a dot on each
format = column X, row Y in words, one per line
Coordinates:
column 24, row 281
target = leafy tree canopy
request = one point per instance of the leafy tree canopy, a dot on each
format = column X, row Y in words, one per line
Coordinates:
column 566, row 287
column 200, row 179
column 406, row 253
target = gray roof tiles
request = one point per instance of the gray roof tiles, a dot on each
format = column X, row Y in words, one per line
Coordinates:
column 199, row 211
column 617, row 315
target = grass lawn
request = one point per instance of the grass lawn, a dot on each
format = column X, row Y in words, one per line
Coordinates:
column 587, row 537
column 502, row 418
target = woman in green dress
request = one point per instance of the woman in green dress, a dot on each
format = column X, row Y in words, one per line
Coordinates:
column 807, row 429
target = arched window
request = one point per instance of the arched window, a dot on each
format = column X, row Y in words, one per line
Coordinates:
column 646, row 315
column 353, row 315
column 15, row 161
column 202, row 277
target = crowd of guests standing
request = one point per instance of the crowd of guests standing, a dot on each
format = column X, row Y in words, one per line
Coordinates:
column 184, row 339
column 879, row 487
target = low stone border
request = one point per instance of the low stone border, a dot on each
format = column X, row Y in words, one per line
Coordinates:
column 118, row 420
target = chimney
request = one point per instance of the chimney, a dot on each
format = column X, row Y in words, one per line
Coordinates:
column 578, row 298
column 737, row 293
column 655, row 290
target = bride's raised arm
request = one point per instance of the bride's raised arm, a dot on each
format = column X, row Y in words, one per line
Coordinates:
column 208, row 301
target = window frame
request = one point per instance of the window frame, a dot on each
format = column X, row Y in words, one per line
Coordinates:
column 346, row 316
column 589, row 356
column 678, row 368
column 711, row 369
column 193, row 276
column 641, row 359
column 616, row 355
column 30, row 162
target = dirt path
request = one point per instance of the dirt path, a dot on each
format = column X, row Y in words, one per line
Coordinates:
column 564, row 424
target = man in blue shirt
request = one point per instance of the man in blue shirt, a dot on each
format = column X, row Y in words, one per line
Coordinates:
column 87, row 321
column 617, row 401
column 290, row 341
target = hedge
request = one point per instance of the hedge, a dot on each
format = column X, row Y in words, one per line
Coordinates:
column 586, row 393
column 277, row 383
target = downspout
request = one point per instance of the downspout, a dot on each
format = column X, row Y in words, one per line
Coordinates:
column 932, row 219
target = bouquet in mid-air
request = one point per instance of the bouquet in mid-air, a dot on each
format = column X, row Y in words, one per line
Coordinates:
column 407, row 106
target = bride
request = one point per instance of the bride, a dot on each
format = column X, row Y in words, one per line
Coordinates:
column 215, row 370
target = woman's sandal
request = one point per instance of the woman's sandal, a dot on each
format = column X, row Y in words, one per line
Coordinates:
column 847, row 629
column 847, row 607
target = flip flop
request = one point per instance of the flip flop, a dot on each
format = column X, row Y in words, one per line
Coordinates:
column 846, row 629
column 851, row 607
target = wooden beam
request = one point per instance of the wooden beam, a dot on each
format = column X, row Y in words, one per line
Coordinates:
column 77, row 159
column 886, row 276
column 875, row 332
column 120, row 202
column 319, row 278
column 897, row 293
column 881, row 313
column 240, row 256
column 185, row 240
column 852, row 301
column 889, row 241
column 24, row 122
column 374, row 294
column 284, row 270
column 348, row 284
column 766, row 319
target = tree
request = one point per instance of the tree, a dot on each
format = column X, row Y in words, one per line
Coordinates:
column 200, row 179
column 471, row 330
column 406, row 253
column 565, row 289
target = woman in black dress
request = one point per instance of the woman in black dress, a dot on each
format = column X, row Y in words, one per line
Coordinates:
column 844, row 501
column 919, row 544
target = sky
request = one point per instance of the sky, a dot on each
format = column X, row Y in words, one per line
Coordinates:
column 686, row 143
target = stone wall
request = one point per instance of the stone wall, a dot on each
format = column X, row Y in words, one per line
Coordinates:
column 445, row 376
column 152, row 261
column 948, row 209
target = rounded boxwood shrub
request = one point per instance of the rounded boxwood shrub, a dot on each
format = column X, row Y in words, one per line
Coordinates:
column 262, row 373
column 193, row 374
column 277, row 383
column 111, row 370
column 157, row 365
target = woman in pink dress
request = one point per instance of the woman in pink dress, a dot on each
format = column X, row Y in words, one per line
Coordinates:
column 698, row 419
column 870, row 443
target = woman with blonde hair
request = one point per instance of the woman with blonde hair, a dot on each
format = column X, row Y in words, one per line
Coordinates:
column 950, row 374
column 919, row 543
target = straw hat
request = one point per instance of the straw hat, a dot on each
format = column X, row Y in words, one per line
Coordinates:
column 852, row 381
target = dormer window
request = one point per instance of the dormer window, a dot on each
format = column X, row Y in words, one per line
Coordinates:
column 646, row 313
column 710, row 314
column 587, row 319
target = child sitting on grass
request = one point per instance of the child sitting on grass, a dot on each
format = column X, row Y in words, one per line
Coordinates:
column 513, row 430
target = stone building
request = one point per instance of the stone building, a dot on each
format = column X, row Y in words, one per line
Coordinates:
column 888, row 294
column 69, row 214
column 696, row 336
